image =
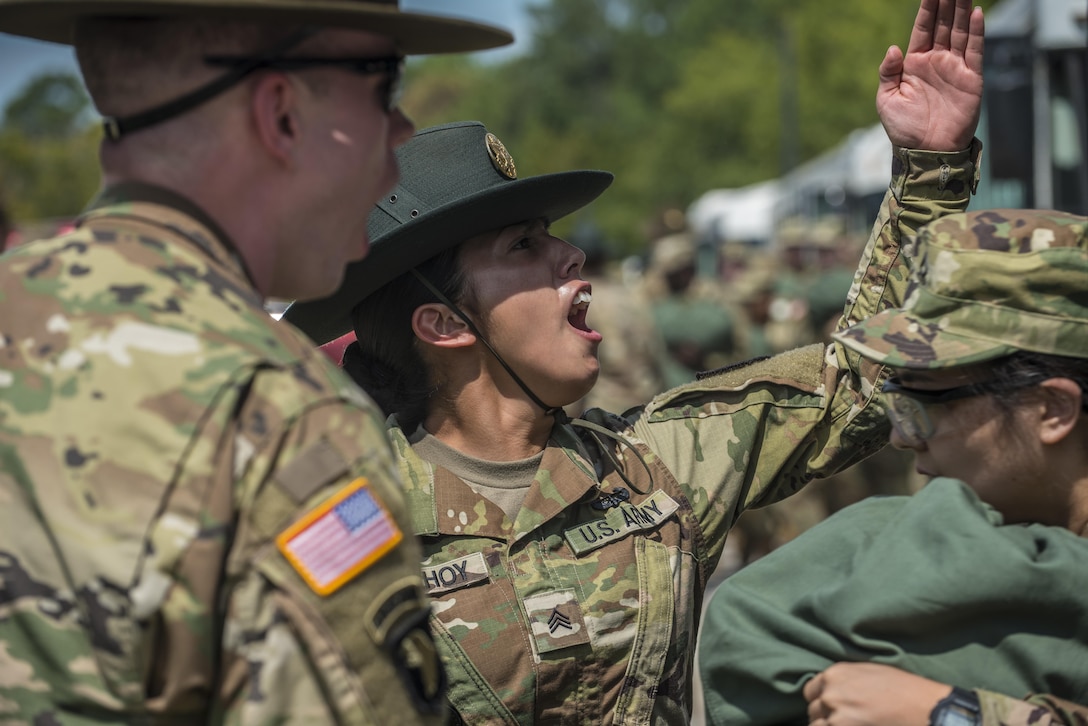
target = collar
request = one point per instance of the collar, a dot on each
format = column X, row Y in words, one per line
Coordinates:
column 174, row 212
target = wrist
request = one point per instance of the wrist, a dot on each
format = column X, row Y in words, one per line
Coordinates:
column 959, row 708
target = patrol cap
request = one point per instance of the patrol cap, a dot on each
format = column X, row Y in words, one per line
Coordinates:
column 988, row 284
column 673, row 252
column 457, row 181
column 414, row 33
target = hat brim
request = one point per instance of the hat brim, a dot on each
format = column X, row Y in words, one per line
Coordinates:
column 549, row 196
column 414, row 33
column 898, row 339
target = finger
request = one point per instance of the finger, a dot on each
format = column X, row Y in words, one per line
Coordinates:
column 891, row 70
column 961, row 26
column 942, row 33
column 817, row 711
column 921, row 35
column 975, row 41
column 813, row 688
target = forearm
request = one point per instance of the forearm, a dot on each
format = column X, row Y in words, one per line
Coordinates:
column 925, row 186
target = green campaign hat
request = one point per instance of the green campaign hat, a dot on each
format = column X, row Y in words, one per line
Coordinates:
column 457, row 181
column 987, row 284
column 414, row 33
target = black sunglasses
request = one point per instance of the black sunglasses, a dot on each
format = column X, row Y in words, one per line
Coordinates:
column 392, row 66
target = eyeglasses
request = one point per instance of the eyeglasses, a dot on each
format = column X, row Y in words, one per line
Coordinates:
column 907, row 407
column 392, row 66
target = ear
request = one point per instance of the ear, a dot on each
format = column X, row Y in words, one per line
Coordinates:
column 437, row 325
column 1061, row 409
column 275, row 115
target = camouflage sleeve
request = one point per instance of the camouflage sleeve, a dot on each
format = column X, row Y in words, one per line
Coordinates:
column 1039, row 710
column 1000, row 710
column 325, row 612
column 754, row 433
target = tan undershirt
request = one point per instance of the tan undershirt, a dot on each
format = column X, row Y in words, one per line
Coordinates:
column 504, row 483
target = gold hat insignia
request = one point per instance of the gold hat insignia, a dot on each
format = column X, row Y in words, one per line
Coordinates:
column 500, row 157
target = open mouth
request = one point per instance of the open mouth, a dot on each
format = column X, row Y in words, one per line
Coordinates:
column 577, row 314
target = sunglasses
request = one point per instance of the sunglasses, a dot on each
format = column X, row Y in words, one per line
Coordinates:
column 391, row 66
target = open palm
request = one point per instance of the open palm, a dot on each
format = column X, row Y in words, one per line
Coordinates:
column 931, row 99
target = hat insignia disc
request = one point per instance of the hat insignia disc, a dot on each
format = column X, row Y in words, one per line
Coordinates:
column 500, row 157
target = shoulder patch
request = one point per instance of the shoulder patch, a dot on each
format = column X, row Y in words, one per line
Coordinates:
column 333, row 543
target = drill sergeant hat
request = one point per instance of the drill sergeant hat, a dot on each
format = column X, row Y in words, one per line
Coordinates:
column 457, row 181
column 413, row 33
column 987, row 284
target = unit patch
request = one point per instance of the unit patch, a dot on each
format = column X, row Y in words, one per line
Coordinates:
column 455, row 573
column 621, row 521
column 340, row 538
column 556, row 621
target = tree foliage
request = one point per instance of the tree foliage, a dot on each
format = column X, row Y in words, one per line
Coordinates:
column 48, row 151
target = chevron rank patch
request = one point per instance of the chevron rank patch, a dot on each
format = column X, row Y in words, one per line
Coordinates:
column 556, row 621
column 340, row 538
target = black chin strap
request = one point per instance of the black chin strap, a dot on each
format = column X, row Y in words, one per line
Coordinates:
column 116, row 127
column 556, row 412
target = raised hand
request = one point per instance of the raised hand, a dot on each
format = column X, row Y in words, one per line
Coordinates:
column 931, row 99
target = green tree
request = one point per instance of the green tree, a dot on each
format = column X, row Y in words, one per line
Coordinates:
column 48, row 151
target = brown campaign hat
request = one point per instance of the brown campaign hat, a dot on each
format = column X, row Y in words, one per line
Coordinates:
column 414, row 33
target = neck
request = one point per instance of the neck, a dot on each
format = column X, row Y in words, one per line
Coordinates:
column 481, row 421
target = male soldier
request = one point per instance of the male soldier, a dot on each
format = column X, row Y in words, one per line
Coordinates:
column 200, row 519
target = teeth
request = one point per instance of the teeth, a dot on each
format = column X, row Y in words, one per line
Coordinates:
column 583, row 297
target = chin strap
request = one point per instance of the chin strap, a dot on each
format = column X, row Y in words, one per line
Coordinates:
column 556, row 412
column 115, row 127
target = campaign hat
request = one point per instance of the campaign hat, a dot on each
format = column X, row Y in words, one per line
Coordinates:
column 414, row 33
column 456, row 181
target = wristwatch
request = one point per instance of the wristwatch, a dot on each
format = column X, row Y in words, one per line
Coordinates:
column 958, row 708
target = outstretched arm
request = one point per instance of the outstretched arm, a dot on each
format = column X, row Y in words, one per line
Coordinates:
column 931, row 98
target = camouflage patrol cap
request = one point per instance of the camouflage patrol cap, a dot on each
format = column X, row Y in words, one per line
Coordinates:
column 673, row 252
column 457, row 181
column 988, row 284
column 414, row 33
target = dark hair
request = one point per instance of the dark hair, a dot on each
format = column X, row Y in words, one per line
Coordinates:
column 385, row 359
column 1015, row 374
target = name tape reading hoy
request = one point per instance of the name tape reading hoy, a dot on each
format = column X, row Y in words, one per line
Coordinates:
column 455, row 573
column 621, row 521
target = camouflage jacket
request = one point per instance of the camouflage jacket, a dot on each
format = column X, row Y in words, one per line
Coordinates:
column 165, row 447
column 999, row 710
column 584, row 610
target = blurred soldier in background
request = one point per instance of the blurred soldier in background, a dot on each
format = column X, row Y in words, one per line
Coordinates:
column 690, row 310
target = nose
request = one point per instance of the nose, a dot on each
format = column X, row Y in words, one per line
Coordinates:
column 401, row 127
column 571, row 260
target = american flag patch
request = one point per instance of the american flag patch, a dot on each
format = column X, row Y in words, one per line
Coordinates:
column 335, row 542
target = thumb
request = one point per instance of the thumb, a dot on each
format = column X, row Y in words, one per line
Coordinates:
column 891, row 70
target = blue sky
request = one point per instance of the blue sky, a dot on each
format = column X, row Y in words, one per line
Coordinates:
column 22, row 59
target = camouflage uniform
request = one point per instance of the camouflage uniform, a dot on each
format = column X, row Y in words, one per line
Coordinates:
column 584, row 610
column 159, row 433
column 999, row 710
column 968, row 305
